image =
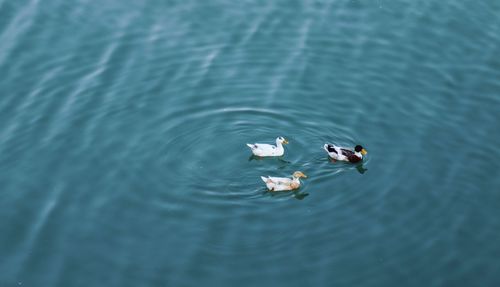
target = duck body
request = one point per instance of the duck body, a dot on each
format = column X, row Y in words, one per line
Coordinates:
column 264, row 150
column 345, row 154
column 283, row 183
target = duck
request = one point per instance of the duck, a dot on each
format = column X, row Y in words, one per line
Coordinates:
column 283, row 183
column 263, row 150
column 345, row 154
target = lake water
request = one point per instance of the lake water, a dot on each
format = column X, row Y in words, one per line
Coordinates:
column 123, row 127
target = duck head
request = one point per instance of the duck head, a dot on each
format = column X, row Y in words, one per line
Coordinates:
column 281, row 140
column 299, row 174
column 360, row 149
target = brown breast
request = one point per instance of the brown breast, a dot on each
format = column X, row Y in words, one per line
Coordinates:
column 353, row 158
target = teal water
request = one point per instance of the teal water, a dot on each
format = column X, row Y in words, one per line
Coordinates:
column 123, row 127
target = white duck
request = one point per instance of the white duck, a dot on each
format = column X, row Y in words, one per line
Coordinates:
column 267, row 149
column 344, row 154
column 283, row 183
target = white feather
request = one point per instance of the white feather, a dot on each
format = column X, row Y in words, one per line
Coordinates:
column 338, row 154
column 281, row 183
column 263, row 150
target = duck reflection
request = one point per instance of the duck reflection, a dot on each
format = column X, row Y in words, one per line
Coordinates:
column 281, row 194
column 360, row 168
column 280, row 159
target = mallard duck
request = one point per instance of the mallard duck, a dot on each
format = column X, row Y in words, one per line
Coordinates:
column 283, row 183
column 267, row 149
column 344, row 154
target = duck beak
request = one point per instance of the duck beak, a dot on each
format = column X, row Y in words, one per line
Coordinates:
column 285, row 142
column 304, row 176
column 363, row 151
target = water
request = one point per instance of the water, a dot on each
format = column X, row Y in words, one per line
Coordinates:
column 123, row 127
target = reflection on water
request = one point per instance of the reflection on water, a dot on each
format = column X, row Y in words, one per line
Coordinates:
column 280, row 159
column 287, row 194
column 360, row 168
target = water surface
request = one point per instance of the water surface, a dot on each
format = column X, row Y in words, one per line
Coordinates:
column 123, row 127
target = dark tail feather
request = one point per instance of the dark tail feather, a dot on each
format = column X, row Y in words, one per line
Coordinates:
column 330, row 148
